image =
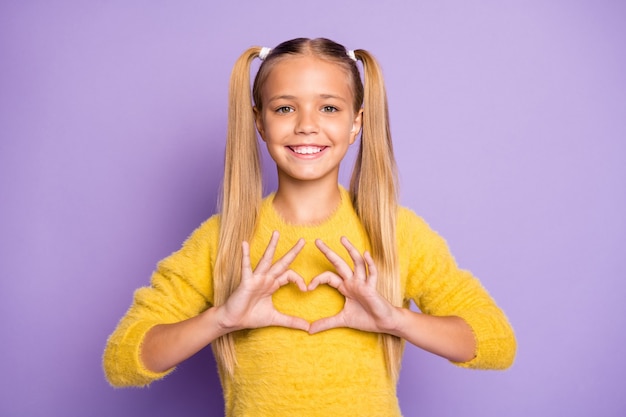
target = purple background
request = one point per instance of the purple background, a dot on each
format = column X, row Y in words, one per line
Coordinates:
column 509, row 120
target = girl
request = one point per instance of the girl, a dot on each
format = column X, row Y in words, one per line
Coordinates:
column 304, row 295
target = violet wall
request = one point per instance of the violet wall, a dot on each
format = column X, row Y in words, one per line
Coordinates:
column 509, row 121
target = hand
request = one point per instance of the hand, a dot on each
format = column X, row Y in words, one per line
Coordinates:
column 250, row 305
column 364, row 308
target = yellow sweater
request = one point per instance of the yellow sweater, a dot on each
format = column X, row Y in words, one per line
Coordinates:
column 285, row 372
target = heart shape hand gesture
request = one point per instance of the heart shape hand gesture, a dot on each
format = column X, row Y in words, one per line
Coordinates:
column 250, row 305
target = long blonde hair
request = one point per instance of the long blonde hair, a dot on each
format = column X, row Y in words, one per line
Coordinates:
column 374, row 173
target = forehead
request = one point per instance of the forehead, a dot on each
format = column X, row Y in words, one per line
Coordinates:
column 307, row 75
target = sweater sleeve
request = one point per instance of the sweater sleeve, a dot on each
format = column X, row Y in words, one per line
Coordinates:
column 440, row 288
column 180, row 288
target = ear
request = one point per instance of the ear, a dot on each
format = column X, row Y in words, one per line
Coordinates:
column 356, row 126
column 258, row 121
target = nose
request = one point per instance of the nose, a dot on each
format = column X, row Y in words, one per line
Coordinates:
column 307, row 122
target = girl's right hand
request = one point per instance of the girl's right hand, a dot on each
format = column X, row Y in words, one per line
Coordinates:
column 250, row 306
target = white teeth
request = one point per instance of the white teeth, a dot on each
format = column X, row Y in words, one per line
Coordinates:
column 306, row 150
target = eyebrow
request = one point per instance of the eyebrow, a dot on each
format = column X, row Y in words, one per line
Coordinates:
column 332, row 96
column 282, row 97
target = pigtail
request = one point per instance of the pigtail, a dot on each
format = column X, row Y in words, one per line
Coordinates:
column 375, row 173
column 241, row 196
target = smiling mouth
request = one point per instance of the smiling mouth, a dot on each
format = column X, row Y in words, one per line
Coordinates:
column 307, row 150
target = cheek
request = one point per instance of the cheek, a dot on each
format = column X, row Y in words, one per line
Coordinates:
column 276, row 133
column 273, row 131
column 345, row 130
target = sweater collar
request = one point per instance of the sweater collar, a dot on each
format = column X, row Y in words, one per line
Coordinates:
column 343, row 210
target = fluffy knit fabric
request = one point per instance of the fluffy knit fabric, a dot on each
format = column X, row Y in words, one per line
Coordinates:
column 285, row 372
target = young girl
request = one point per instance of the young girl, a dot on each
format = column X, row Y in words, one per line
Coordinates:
column 304, row 294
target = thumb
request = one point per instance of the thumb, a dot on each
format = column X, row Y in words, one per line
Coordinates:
column 284, row 320
column 326, row 323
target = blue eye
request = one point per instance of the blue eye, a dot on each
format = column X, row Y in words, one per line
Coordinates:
column 329, row 109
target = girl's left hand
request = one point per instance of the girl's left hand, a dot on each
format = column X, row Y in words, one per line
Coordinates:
column 364, row 309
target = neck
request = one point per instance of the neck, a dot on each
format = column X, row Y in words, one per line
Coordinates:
column 303, row 202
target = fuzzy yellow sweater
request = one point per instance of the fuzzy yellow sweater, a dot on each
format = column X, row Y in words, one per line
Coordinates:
column 285, row 372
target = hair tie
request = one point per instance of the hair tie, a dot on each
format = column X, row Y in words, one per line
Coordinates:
column 265, row 51
column 350, row 53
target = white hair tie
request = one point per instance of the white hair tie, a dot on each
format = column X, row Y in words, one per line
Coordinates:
column 265, row 51
column 350, row 53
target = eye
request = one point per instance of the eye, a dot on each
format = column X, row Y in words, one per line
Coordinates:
column 329, row 109
column 284, row 110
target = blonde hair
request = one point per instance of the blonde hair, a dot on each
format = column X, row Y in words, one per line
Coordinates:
column 374, row 171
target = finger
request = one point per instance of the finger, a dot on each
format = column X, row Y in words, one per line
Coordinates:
column 357, row 258
column 293, row 277
column 292, row 322
column 371, row 268
column 266, row 260
column 245, row 258
column 326, row 323
column 340, row 265
column 327, row 277
column 285, row 261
